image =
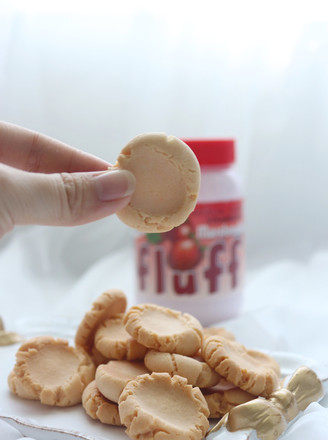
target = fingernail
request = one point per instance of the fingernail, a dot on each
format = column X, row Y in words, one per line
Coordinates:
column 114, row 184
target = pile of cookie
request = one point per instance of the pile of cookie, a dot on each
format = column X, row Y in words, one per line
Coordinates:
column 154, row 370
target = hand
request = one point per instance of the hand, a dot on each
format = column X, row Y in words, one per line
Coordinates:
column 43, row 181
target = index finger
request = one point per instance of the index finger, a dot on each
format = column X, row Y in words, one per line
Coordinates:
column 35, row 152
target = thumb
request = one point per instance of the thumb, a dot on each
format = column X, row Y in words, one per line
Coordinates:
column 61, row 199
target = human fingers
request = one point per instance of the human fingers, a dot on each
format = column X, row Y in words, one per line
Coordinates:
column 61, row 199
column 35, row 152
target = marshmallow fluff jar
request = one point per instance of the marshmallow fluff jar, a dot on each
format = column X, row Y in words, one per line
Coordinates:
column 198, row 267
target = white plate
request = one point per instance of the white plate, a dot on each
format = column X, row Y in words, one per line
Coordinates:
column 37, row 432
column 32, row 418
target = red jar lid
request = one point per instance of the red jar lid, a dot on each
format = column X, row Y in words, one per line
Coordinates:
column 213, row 151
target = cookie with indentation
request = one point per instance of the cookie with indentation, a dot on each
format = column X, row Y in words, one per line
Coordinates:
column 98, row 407
column 197, row 373
column 244, row 368
column 49, row 370
column 112, row 377
column 167, row 176
column 110, row 303
column 158, row 406
column 164, row 329
column 221, row 402
column 114, row 342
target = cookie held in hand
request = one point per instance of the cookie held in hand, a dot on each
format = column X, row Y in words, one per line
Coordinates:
column 167, row 176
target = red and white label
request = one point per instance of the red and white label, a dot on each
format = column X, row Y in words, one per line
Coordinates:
column 204, row 256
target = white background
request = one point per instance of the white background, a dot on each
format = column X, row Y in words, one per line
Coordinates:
column 96, row 73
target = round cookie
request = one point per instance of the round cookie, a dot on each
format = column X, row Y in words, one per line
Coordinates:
column 158, row 406
column 114, row 342
column 167, row 182
column 51, row 371
column 221, row 402
column 197, row 373
column 242, row 367
column 164, row 329
column 98, row 407
column 108, row 304
column 112, row 377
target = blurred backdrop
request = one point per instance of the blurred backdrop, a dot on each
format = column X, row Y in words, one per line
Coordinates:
column 96, row 73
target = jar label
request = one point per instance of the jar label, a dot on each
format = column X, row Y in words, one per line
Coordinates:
column 203, row 256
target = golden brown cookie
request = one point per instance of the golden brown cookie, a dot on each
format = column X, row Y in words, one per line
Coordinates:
column 109, row 304
column 114, row 342
column 244, row 368
column 221, row 402
column 167, row 182
column 159, row 406
column 112, row 377
column 164, row 329
column 197, row 373
column 98, row 407
column 51, row 371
